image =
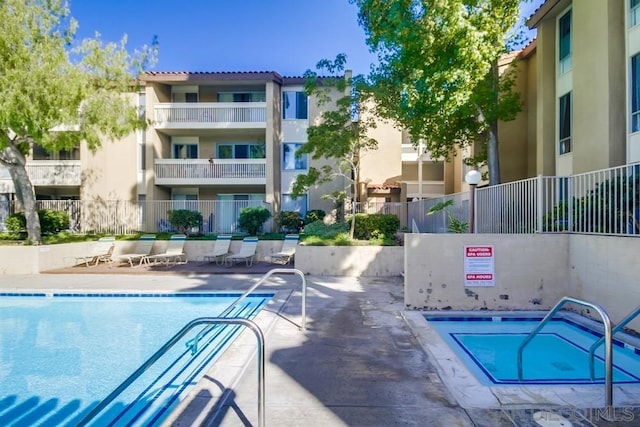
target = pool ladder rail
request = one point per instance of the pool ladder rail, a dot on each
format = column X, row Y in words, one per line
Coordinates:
column 608, row 381
column 193, row 345
column 624, row 322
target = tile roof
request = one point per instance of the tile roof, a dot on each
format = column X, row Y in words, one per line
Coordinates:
column 223, row 75
column 542, row 11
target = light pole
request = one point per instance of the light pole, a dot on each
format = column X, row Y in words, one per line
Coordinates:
column 472, row 178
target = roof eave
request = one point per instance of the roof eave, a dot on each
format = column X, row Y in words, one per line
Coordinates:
column 541, row 12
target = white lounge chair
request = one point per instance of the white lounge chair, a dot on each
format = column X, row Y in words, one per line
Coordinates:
column 247, row 252
column 220, row 250
column 142, row 249
column 287, row 252
column 174, row 253
column 101, row 251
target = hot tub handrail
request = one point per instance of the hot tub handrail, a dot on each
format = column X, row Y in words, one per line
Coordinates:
column 616, row 329
column 607, row 338
column 170, row 343
column 193, row 343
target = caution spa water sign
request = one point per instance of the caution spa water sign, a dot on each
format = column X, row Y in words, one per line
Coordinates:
column 479, row 266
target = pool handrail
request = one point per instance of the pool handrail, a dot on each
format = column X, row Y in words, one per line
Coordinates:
column 616, row 329
column 193, row 342
column 607, row 339
column 170, row 343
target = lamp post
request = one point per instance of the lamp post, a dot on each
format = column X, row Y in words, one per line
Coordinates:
column 472, row 178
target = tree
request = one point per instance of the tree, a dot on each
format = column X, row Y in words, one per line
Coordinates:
column 57, row 92
column 341, row 134
column 438, row 73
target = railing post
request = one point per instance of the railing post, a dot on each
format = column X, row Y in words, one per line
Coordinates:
column 608, row 359
column 570, row 207
column 539, row 204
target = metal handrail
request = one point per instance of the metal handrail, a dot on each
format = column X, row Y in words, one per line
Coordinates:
column 607, row 338
column 617, row 328
column 196, row 322
column 193, row 343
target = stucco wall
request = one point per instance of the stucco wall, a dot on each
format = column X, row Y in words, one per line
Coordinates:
column 350, row 260
column 530, row 271
column 605, row 270
column 36, row 259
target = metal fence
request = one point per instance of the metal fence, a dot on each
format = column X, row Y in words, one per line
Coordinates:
column 601, row 202
column 128, row 217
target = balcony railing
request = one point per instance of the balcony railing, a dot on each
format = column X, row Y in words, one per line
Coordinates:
column 210, row 172
column 210, row 115
column 429, row 189
column 410, row 154
column 54, row 172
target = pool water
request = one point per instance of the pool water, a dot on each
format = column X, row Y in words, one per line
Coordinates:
column 559, row 354
column 60, row 354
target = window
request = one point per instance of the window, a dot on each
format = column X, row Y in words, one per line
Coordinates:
column 185, row 97
column 634, row 17
column 564, row 123
column 297, row 205
column 242, row 96
column 294, row 105
column 290, row 161
column 39, row 153
column 185, row 151
column 73, row 154
column 635, row 93
column 184, row 93
column 564, row 42
column 241, row 151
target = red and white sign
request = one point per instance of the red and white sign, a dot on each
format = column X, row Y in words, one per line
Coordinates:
column 479, row 266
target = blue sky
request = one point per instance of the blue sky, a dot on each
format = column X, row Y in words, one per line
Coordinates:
column 286, row 36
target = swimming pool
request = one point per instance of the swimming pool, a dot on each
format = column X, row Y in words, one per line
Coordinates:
column 61, row 353
column 470, row 386
column 559, row 354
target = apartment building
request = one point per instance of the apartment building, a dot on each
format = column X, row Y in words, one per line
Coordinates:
column 220, row 141
column 216, row 142
column 587, row 85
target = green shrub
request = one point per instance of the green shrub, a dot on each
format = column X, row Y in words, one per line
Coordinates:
column 314, row 215
column 51, row 221
column 251, row 219
column 455, row 225
column 289, row 221
column 375, row 226
column 16, row 222
column 184, row 220
column 326, row 231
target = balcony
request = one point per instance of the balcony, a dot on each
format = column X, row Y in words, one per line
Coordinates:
column 429, row 189
column 55, row 172
column 210, row 115
column 210, row 172
column 410, row 154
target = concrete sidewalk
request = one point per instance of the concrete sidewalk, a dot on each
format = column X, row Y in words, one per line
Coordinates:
column 357, row 364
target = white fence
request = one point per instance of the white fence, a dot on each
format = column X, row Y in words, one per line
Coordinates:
column 128, row 217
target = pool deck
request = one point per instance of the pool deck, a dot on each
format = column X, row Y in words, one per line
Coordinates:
column 358, row 363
